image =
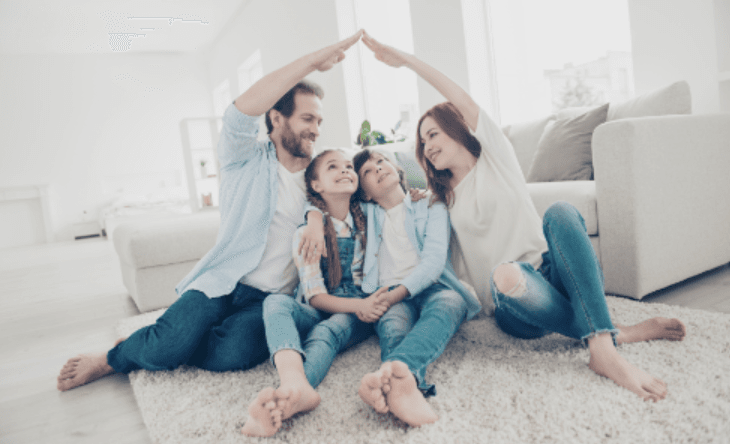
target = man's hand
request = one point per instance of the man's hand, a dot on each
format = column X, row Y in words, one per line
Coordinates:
column 386, row 54
column 373, row 306
column 326, row 58
column 312, row 245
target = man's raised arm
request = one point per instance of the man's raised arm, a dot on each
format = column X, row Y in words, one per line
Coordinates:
column 262, row 95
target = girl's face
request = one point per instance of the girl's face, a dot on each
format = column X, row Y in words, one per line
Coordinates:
column 439, row 149
column 335, row 175
column 378, row 176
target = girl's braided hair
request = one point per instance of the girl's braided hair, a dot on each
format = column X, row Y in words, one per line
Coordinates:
column 332, row 262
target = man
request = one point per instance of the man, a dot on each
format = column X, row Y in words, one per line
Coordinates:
column 216, row 323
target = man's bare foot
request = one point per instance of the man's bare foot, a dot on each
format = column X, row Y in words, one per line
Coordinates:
column 296, row 397
column 404, row 399
column 606, row 361
column 652, row 329
column 373, row 388
column 264, row 418
column 82, row 370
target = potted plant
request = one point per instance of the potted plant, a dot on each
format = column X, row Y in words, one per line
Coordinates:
column 368, row 137
column 203, row 171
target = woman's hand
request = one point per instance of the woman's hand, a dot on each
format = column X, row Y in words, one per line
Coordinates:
column 326, row 58
column 418, row 194
column 386, row 54
column 373, row 306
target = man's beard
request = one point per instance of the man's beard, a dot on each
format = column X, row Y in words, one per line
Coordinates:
column 292, row 143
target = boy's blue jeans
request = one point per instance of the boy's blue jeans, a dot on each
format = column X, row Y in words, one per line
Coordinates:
column 415, row 331
column 566, row 295
column 218, row 334
column 288, row 320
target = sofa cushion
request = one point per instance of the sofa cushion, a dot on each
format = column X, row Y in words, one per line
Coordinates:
column 579, row 193
column 564, row 150
column 524, row 138
column 168, row 241
column 672, row 99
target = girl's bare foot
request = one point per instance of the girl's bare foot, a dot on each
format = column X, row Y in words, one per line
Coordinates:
column 264, row 418
column 82, row 370
column 404, row 399
column 373, row 388
column 296, row 397
column 606, row 361
column 652, row 329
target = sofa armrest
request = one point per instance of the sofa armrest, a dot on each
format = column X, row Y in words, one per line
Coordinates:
column 663, row 198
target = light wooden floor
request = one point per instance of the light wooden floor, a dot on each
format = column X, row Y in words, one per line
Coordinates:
column 62, row 299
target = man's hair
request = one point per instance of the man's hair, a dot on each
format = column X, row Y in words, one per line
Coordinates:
column 286, row 104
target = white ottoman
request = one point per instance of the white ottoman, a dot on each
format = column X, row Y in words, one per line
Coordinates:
column 156, row 255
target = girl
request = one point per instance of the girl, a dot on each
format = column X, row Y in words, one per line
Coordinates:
column 407, row 257
column 332, row 287
column 545, row 276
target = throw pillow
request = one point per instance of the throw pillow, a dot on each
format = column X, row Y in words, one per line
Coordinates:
column 415, row 176
column 672, row 99
column 564, row 150
column 524, row 138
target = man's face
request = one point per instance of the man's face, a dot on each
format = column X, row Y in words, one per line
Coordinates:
column 301, row 129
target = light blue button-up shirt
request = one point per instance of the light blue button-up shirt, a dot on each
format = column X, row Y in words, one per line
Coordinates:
column 248, row 191
column 429, row 231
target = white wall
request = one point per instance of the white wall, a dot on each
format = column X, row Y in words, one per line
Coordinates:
column 81, row 122
column 674, row 40
column 284, row 31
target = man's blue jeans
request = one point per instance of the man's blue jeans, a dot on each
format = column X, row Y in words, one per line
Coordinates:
column 288, row 320
column 566, row 295
column 415, row 331
column 218, row 334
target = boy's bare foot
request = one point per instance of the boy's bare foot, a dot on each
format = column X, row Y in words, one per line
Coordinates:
column 264, row 418
column 404, row 399
column 82, row 370
column 606, row 361
column 373, row 388
column 651, row 329
column 296, row 397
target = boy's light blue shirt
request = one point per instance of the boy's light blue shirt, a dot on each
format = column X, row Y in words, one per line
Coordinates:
column 429, row 231
column 248, row 191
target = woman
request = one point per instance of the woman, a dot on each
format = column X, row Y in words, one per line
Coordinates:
column 544, row 276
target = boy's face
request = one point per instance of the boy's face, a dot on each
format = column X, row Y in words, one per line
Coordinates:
column 377, row 177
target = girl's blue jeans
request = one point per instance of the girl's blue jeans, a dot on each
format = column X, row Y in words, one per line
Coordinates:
column 218, row 334
column 566, row 295
column 415, row 331
column 288, row 320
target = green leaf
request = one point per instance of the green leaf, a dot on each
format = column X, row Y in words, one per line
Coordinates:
column 365, row 126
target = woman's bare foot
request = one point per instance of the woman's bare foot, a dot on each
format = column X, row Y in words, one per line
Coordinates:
column 404, row 399
column 82, row 370
column 264, row 418
column 606, row 361
column 296, row 397
column 373, row 388
column 652, row 329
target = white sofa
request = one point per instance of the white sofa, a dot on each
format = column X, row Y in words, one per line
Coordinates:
column 658, row 211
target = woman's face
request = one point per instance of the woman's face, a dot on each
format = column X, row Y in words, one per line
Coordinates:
column 378, row 176
column 335, row 175
column 439, row 149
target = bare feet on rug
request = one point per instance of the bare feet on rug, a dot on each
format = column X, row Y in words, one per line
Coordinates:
column 82, row 370
column 402, row 397
column 652, row 329
column 264, row 417
column 373, row 388
column 606, row 361
column 297, row 397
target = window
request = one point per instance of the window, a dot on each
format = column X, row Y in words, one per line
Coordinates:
column 250, row 71
column 384, row 96
column 551, row 55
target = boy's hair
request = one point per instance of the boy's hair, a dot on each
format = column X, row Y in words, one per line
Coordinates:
column 286, row 104
column 332, row 262
column 366, row 154
column 451, row 122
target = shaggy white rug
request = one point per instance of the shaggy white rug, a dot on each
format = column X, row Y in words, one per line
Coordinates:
column 491, row 388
